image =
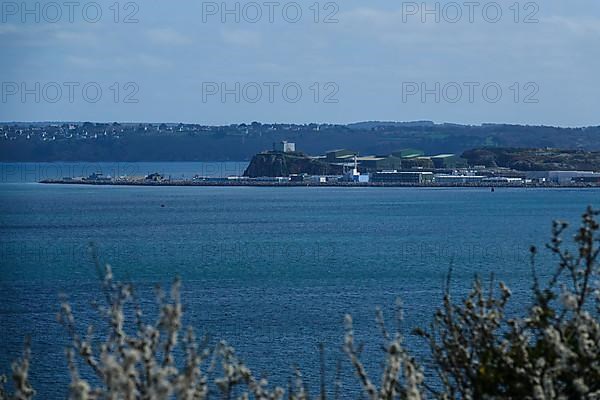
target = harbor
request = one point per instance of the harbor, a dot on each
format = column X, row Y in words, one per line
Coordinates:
column 284, row 166
column 317, row 181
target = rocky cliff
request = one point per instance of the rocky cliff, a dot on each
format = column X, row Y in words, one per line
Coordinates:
column 273, row 164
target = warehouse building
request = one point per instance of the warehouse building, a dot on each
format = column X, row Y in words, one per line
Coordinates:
column 380, row 163
column 566, row 177
column 401, row 177
column 458, row 179
column 340, row 156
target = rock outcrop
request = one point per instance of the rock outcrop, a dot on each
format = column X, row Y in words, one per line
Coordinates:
column 274, row 164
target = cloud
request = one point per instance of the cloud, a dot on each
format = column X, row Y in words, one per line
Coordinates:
column 581, row 26
column 73, row 37
column 118, row 63
column 82, row 62
column 46, row 35
column 144, row 60
column 372, row 17
column 151, row 61
column 168, row 36
column 241, row 37
column 8, row 29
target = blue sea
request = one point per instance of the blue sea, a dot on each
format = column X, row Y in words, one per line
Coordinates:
column 271, row 270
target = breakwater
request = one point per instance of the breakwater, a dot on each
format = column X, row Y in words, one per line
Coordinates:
column 258, row 183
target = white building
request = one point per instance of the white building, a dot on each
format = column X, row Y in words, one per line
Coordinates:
column 284, row 147
column 457, row 179
column 565, row 177
column 502, row 179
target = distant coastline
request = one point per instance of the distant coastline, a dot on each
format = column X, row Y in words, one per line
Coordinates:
column 284, row 166
column 161, row 142
column 265, row 184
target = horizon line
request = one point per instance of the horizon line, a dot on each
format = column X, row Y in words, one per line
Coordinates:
column 382, row 123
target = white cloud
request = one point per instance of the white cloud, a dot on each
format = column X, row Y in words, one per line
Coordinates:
column 241, row 37
column 168, row 36
column 8, row 29
column 73, row 37
column 82, row 62
column 581, row 26
column 151, row 61
column 143, row 60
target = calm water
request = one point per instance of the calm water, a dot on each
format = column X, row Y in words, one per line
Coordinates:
column 35, row 172
column 272, row 270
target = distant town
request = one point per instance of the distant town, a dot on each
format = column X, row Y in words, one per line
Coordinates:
column 129, row 142
column 285, row 165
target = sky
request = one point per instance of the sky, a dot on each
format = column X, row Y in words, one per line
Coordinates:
column 344, row 61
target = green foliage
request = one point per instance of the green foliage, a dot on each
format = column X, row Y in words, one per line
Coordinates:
column 534, row 159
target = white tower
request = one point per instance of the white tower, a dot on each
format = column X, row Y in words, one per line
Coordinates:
column 355, row 174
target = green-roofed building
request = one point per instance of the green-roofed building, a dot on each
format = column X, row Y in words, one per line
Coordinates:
column 340, row 155
column 380, row 163
column 408, row 153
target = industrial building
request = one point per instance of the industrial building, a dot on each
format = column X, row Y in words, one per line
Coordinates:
column 402, row 177
column 458, row 179
column 366, row 163
column 588, row 179
column 566, row 177
column 380, row 163
column 401, row 159
column 408, row 153
column 562, row 177
column 502, row 179
column 340, row 156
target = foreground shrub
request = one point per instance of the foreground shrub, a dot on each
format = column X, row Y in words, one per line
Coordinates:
column 478, row 352
column 553, row 352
